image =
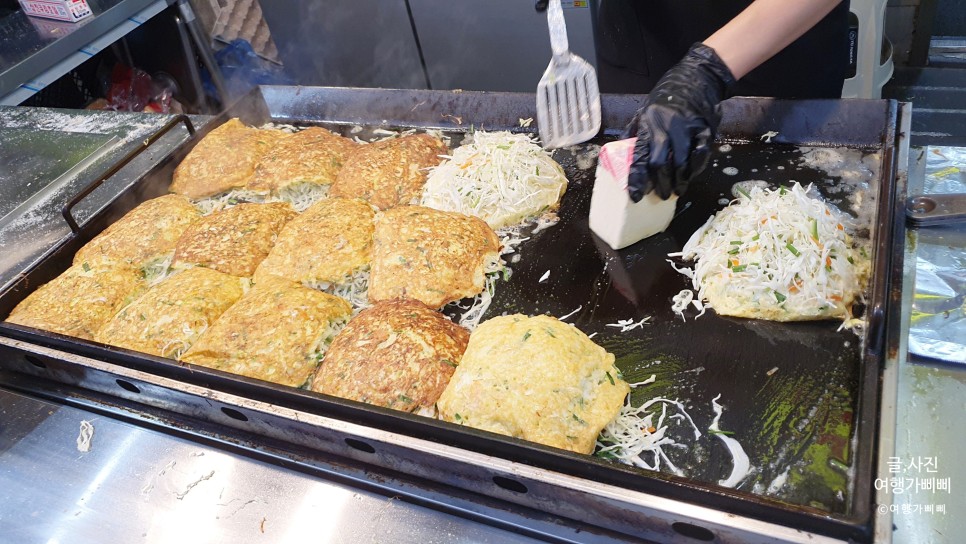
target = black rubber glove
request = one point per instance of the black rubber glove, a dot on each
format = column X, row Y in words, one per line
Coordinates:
column 677, row 123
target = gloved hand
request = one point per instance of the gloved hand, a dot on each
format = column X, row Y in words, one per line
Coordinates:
column 677, row 123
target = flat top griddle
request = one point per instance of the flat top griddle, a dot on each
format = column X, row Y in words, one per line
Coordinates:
column 801, row 398
column 788, row 389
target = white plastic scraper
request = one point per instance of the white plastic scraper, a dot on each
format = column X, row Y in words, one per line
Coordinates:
column 568, row 100
column 613, row 216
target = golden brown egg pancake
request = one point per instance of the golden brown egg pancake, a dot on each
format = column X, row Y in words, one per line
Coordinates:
column 277, row 332
column 170, row 316
column 313, row 155
column 224, row 159
column 432, row 256
column 535, row 378
column 234, row 240
column 399, row 354
column 79, row 301
column 147, row 232
column 325, row 243
column 390, row 172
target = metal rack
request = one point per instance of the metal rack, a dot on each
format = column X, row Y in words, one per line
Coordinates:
column 35, row 53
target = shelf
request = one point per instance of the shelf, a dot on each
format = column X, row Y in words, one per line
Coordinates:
column 35, row 52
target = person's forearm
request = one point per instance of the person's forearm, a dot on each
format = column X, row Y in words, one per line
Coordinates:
column 763, row 29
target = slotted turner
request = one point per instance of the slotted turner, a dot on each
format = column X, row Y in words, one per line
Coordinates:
column 568, row 100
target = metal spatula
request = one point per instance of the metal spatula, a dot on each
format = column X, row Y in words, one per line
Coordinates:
column 568, row 100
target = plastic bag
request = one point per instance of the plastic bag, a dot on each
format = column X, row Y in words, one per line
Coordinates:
column 242, row 68
column 133, row 89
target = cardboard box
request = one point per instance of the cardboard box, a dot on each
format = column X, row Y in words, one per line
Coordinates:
column 61, row 10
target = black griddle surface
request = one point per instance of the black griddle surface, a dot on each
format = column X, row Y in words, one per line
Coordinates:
column 788, row 389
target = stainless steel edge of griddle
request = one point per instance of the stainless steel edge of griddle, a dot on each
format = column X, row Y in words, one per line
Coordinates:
column 609, row 509
column 896, row 340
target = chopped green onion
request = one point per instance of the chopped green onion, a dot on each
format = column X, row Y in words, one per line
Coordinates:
column 779, row 296
column 739, row 268
column 734, row 251
column 611, row 378
column 525, row 336
column 782, row 190
column 755, row 237
column 448, row 362
column 736, row 242
column 851, row 261
column 792, row 248
column 838, row 465
column 815, row 229
column 743, row 192
column 87, row 267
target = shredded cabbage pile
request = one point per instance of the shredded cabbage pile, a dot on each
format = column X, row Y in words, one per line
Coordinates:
column 327, row 335
column 634, row 437
column 299, row 195
column 354, row 289
column 500, row 177
column 777, row 254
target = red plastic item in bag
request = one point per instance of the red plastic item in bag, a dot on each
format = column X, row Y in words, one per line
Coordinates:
column 132, row 89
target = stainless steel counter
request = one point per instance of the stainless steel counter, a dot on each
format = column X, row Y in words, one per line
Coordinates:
column 142, row 485
column 924, row 477
column 41, row 172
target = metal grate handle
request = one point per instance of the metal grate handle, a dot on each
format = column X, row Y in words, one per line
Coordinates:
column 69, row 206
